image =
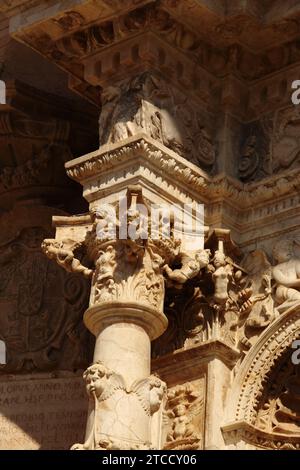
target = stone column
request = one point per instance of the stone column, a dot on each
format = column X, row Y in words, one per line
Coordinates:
column 125, row 314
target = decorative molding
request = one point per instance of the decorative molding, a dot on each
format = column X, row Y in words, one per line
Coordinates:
column 243, row 431
column 215, row 188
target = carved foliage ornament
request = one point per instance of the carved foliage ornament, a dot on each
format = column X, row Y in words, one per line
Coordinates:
column 127, row 269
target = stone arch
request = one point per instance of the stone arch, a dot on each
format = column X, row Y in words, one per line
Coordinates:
column 253, row 376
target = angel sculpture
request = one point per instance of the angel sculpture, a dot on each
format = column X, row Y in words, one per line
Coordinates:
column 65, row 256
column 101, row 384
column 191, row 266
column 182, row 426
column 185, row 409
column 287, row 273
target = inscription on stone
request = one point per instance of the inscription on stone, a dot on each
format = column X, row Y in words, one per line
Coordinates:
column 42, row 413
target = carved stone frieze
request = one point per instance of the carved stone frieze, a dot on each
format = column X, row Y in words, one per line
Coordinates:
column 216, row 187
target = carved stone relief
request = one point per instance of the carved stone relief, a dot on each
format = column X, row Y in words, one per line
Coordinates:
column 209, row 307
column 184, row 416
column 148, row 104
column 278, row 409
column 286, row 143
column 42, row 308
column 255, row 152
column 232, row 303
column 108, row 395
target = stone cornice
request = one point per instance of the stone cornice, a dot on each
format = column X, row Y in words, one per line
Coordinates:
column 212, row 189
column 195, row 359
column 214, row 38
column 241, row 430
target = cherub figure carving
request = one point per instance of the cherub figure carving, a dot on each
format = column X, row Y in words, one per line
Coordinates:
column 185, row 414
column 286, row 273
column 158, row 390
column 191, row 266
column 182, row 426
column 96, row 377
column 64, row 256
column 101, row 384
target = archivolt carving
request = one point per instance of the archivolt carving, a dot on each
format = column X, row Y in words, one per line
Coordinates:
column 278, row 409
column 254, row 375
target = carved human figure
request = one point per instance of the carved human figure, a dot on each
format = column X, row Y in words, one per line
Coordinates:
column 257, row 309
column 105, row 222
column 158, row 390
column 109, row 397
column 286, row 273
column 204, row 149
column 105, row 264
column 97, row 383
column 286, row 139
column 221, row 277
column 190, row 267
column 182, row 427
column 65, row 257
column 96, row 379
column 185, row 414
